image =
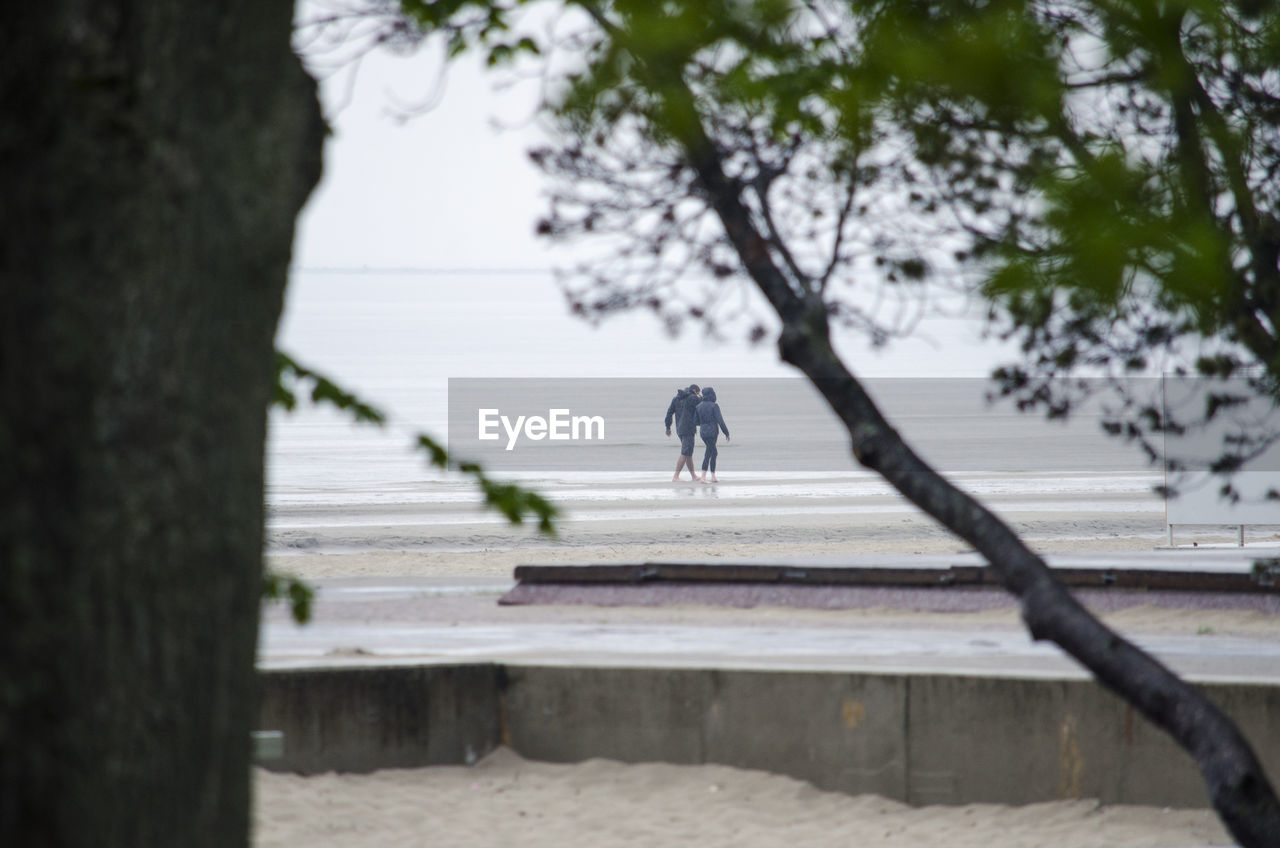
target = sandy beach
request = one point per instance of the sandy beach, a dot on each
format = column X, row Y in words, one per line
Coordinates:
column 449, row 534
column 506, row 800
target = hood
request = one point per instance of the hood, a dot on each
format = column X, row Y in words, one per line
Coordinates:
column 709, row 394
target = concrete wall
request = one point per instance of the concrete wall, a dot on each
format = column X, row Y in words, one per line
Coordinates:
column 923, row 739
column 839, row 731
column 361, row 719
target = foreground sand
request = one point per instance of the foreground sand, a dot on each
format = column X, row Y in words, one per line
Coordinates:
column 506, row 801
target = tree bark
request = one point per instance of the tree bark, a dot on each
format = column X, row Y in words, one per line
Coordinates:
column 153, row 157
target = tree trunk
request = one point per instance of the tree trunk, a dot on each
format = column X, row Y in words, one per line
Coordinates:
column 1238, row 787
column 153, row 157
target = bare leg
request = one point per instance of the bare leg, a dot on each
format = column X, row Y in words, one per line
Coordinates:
column 679, row 468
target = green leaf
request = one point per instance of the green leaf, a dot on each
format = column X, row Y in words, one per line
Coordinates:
column 323, row 391
column 297, row 593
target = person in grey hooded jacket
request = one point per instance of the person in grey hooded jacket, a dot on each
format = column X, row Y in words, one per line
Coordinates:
column 710, row 423
column 682, row 410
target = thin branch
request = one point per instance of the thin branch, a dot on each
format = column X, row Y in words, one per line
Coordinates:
column 835, row 261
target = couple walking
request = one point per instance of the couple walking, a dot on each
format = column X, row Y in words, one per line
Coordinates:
column 695, row 409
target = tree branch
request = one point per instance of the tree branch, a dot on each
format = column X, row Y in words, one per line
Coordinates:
column 1239, row 788
column 838, row 240
column 1187, row 97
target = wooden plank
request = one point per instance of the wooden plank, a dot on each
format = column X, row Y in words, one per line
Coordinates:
column 1261, row 580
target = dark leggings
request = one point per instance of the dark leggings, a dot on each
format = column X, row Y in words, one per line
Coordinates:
column 709, row 458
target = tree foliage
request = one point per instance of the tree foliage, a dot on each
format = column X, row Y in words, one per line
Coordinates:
column 1104, row 174
column 514, row 502
column 1124, row 217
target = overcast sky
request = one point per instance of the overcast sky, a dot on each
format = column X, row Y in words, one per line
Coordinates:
column 452, row 189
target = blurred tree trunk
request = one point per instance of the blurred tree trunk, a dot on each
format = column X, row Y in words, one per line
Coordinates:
column 153, row 157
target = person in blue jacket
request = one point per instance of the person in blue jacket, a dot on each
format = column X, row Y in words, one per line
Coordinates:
column 682, row 409
column 710, row 423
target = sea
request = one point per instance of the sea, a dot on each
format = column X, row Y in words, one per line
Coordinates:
column 434, row 349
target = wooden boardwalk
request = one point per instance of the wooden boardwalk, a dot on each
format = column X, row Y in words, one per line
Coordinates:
column 1264, row 578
